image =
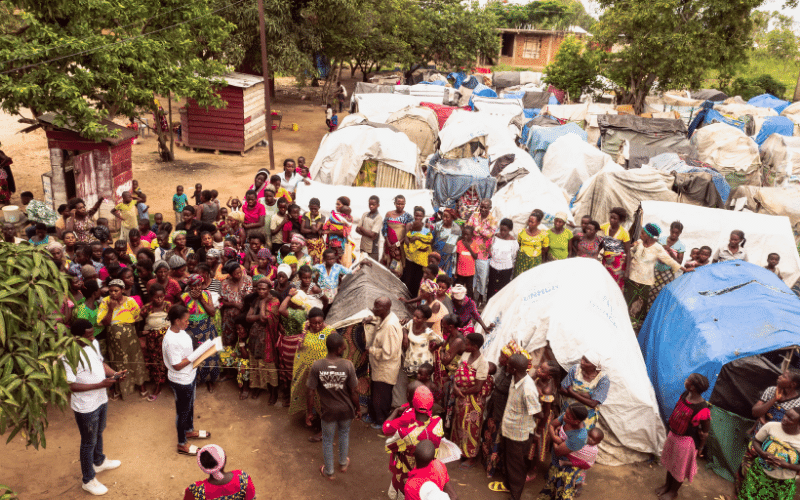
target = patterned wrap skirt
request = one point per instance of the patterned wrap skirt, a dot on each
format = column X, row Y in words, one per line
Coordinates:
column 125, row 353
column 200, row 331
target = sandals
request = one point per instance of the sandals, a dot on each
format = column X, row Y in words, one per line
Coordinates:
column 322, row 473
column 152, row 397
column 344, row 467
column 498, row 487
column 200, row 435
column 192, row 451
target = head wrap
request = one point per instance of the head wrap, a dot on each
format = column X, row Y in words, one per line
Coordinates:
column 237, row 216
column 652, row 230
column 54, row 245
column 264, row 254
column 290, row 259
column 423, row 400
column 263, row 171
column 176, row 262
column 513, row 348
column 428, row 286
column 459, row 292
column 453, row 213
column 117, row 282
column 229, row 253
column 178, row 233
column 160, row 264
column 299, row 238
column 194, row 279
column 562, row 216
column 219, row 457
column 88, row 270
column 212, row 254
column 285, row 269
column 592, row 357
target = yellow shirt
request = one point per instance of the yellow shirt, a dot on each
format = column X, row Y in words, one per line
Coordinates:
column 128, row 212
column 128, row 312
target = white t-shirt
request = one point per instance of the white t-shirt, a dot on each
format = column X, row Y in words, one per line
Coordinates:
column 176, row 347
column 94, row 373
column 291, row 184
column 503, row 253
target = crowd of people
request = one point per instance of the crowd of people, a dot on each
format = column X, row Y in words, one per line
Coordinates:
column 240, row 291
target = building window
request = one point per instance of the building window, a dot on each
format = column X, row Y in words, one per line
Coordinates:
column 532, row 48
column 507, row 49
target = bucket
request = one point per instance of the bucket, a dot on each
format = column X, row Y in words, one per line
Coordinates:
column 11, row 213
column 295, row 128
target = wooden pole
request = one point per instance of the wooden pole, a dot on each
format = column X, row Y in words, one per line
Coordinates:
column 171, row 135
column 265, row 72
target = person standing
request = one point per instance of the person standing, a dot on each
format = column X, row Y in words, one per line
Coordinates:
column 220, row 484
column 178, row 357
column 335, row 381
column 485, row 225
column 369, row 227
column 126, row 212
column 384, row 342
column 88, row 383
column 429, row 477
column 194, row 228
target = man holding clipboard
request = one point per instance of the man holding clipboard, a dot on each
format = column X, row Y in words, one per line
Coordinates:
column 182, row 361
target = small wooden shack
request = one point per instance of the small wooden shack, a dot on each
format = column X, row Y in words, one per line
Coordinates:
column 84, row 168
column 237, row 127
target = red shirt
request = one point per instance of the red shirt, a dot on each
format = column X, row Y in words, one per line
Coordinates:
column 436, row 472
column 213, row 491
column 252, row 215
column 404, row 420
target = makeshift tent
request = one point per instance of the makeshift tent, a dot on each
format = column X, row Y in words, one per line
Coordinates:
column 537, row 121
column 626, row 189
column 509, row 162
column 365, row 155
column 451, row 178
column 708, row 95
column 698, row 325
column 498, row 106
column 570, row 161
column 522, row 195
column 647, row 137
column 765, row 233
column 442, row 112
column 538, row 310
column 697, row 188
column 708, row 115
column 378, row 107
column 770, row 201
column 780, row 157
column 592, row 112
column 731, row 152
column 769, row 101
column 462, row 138
column 774, row 125
column 481, row 90
column 575, row 113
column 420, row 125
column 539, row 139
column 433, row 93
column 352, row 119
column 671, row 162
column 505, row 79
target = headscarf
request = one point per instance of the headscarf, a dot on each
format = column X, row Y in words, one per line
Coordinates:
column 176, row 262
column 264, row 254
column 160, row 264
column 237, row 216
column 513, row 348
column 453, row 213
column 592, row 357
column 285, row 269
column 652, row 230
column 423, row 401
column 219, row 457
column 562, row 216
column 299, row 239
column 194, row 279
column 290, row 259
column 230, row 254
column 459, row 292
column 88, row 270
column 54, row 245
column 212, row 254
column 117, row 282
column 428, row 286
column 178, row 233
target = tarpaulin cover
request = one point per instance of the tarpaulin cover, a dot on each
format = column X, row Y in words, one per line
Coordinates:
column 449, row 179
column 644, row 147
column 780, row 156
column 482, row 91
column 536, row 100
column 537, row 120
column 442, row 112
column 539, row 139
column 513, row 95
column 709, row 95
column 372, row 88
column 697, row 189
column 342, row 153
column 671, row 162
column 780, row 125
column 708, row 115
column 570, row 161
column 727, row 441
column 741, row 382
column 569, row 112
column 769, row 101
column 730, row 151
column 765, row 233
column 539, row 308
column 650, row 126
column 420, row 124
column 770, row 201
column 505, row 79
column 378, row 107
column 497, row 106
column 459, row 131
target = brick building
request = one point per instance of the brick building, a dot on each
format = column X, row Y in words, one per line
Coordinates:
column 532, row 48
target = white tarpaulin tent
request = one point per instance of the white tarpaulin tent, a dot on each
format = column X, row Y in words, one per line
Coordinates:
column 521, row 196
column 498, row 106
column 460, row 128
column 730, row 151
column 539, row 308
column 570, row 161
column 764, row 233
column 342, row 153
column 780, row 156
column 378, row 107
column 419, row 124
column 770, row 201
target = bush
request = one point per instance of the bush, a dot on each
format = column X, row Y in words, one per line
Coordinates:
column 757, row 85
column 574, row 69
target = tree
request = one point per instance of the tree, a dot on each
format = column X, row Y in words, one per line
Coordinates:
column 574, row 69
column 32, row 338
column 91, row 60
column 671, row 44
column 542, row 14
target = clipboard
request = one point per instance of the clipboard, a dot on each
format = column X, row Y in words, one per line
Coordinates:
column 214, row 349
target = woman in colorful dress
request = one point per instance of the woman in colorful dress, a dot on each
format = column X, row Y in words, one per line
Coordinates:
column 155, row 326
column 676, row 249
column 293, row 317
column 311, row 229
column 172, row 289
column 119, row 315
column 446, row 233
column 262, row 342
column 419, row 340
column 201, row 327
column 403, row 443
column 470, row 388
column 298, row 248
column 688, row 430
column 235, row 287
column 616, row 245
column 394, row 224
column 179, row 247
column 86, row 308
column 533, row 244
column 220, row 485
column 585, row 383
column 773, row 475
column 587, row 244
column 559, row 237
column 569, row 434
column 416, row 248
column 80, row 221
column 447, row 356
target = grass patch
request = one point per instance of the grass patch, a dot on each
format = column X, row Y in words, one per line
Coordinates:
column 784, row 71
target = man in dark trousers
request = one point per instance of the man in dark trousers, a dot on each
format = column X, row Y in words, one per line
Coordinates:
column 519, row 422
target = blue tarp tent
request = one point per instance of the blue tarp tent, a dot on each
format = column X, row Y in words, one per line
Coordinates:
column 704, row 320
column 708, row 115
column 774, row 125
column 482, row 91
column 769, row 101
column 449, row 179
column 540, row 139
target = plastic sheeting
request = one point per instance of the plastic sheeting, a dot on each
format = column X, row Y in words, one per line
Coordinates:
column 642, row 148
column 538, row 308
column 780, row 157
column 765, row 233
column 503, row 106
column 570, row 112
column 420, row 125
column 378, row 107
column 449, row 179
column 521, row 196
column 539, row 139
column 342, row 153
column 779, row 125
column 770, row 201
column 671, row 162
column 769, row 101
column 570, row 161
column 731, row 152
column 626, row 189
column 615, row 129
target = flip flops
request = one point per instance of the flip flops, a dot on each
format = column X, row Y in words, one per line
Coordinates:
column 498, row 487
column 200, row 435
column 343, row 468
column 322, row 473
column 192, row 451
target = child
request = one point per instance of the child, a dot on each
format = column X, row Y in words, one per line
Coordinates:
column 585, row 457
column 424, row 374
column 214, row 196
column 293, row 223
column 467, row 252
column 334, row 122
column 255, row 244
column 145, row 232
column 337, row 227
column 191, row 263
column 234, row 203
column 280, row 192
column 141, row 199
column 393, row 261
column 158, row 222
column 276, row 225
column 263, row 267
column 302, row 168
column 154, row 314
column 370, row 228
column 101, row 232
column 121, row 249
column 206, row 244
column 126, row 212
column 328, row 116
column 198, row 191
column 40, row 237
column 702, row 258
column 330, row 274
column 222, row 216
column 179, row 202
column 693, row 253
column 772, row 264
column 97, row 255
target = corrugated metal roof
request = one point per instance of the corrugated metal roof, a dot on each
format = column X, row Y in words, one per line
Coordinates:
column 241, row 80
column 125, row 134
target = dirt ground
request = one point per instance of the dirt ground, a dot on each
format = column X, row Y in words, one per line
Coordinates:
column 258, row 438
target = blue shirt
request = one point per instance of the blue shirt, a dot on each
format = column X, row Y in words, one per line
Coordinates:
column 330, row 281
column 179, row 202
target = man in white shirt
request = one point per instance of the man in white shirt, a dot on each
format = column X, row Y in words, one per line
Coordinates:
column 385, row 344
column 89, row 401
column 519, row 423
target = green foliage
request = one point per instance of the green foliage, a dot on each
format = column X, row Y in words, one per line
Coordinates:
column 574, row 69
column 542, row 14
column 31, row 341
column 94, row 59
column 749, row 87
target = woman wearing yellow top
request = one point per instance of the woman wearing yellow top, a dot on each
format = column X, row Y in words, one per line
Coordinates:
column 616, row 245
column 417, row 245
column 534, row 243
column 119, row 314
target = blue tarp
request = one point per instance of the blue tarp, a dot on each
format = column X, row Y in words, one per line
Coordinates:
column 769, row 101
column 529, row 114
column 708, row 115
column 710, row 317
column 671, row 161
column 775, row 125
column 514, row 95
column 449, row 179
column 553, row 100
column 437, row 82
column 482, row 91
column 539, row 140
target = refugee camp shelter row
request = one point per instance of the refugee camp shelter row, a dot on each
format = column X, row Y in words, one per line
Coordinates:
column 530, row 48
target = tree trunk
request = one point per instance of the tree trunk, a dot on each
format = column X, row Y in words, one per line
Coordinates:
column 171, row 135
column 797, row 90
column 163, row 148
